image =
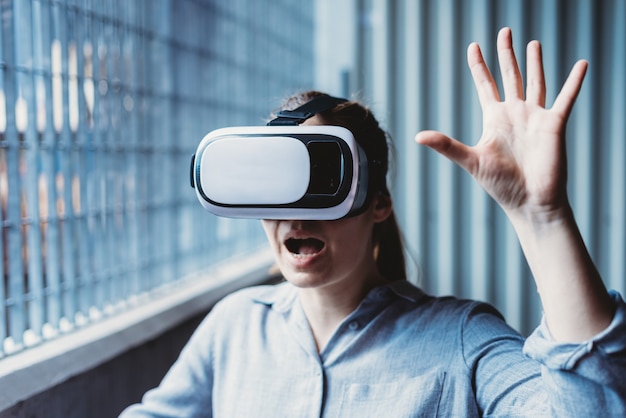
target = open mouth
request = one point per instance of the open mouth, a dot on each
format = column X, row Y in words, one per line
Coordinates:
column 304, row 246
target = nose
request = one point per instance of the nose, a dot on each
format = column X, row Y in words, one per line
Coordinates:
column 302, row 225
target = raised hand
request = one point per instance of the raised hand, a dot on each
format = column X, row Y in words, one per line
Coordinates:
column 520, row 158
column 520, row 161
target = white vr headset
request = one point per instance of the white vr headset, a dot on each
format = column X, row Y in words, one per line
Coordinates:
column 284, row 170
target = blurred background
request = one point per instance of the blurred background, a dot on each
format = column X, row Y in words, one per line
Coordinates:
column 102, row 103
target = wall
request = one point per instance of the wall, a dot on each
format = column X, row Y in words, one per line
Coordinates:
column 107, row 389
column 407, row 59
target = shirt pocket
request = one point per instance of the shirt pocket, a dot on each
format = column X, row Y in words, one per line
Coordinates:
column 410, row 397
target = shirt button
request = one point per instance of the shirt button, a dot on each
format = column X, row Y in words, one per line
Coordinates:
column 353, row 325
column 381, row 293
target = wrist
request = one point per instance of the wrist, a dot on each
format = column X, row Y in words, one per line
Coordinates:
column 541, row 217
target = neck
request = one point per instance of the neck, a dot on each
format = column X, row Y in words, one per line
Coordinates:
column 326, row 307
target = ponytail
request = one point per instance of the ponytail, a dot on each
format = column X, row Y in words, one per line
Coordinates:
column 389, row 249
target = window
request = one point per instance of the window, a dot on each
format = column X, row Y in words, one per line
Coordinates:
column 102, row 104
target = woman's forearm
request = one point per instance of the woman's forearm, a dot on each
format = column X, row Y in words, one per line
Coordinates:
column 575, row 301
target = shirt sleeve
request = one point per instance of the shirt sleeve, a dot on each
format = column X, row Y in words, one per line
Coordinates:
column 186, row 389
column 585, row 379
column 506, row 383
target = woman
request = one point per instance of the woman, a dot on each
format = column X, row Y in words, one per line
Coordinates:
column 347, row 336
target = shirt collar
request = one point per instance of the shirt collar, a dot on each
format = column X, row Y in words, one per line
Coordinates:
column 282, row 296
column 406, row 290
column 279, row 296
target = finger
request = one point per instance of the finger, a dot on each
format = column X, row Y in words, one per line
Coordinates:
column 511, row 76
column 536, row 84
column 567, row 96
column 483, row 80
column 452, row 149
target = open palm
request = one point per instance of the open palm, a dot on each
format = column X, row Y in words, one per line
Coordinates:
column 520, row 158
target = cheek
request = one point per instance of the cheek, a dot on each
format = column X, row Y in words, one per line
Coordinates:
column 353, row 237
column 270, row 228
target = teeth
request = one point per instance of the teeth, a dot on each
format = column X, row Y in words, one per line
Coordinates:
column 304, row 246
column 302, row 255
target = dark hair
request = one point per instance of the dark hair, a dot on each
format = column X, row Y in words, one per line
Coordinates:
column 356, row 117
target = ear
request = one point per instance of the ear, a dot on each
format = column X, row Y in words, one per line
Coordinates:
column 381, row 207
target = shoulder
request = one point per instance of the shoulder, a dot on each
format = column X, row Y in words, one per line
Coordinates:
column 445, row 308
column 472, row 319
column 448, row 318
column 249, row 303
column 239, row 312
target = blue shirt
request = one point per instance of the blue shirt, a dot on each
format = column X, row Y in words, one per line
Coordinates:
column 401, row 353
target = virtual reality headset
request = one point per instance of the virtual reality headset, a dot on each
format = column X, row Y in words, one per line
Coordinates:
column 284, row 170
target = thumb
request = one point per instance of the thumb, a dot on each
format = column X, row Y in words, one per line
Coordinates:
column 450, row 148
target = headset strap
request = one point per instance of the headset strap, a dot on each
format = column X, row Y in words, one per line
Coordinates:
column 297, row 116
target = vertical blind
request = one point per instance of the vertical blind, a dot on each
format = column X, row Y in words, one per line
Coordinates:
column 411, row 66
column 102, row 104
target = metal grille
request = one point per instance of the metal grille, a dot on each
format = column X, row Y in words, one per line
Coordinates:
column 101, row 106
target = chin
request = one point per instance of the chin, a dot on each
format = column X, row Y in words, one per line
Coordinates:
column 304, row 280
